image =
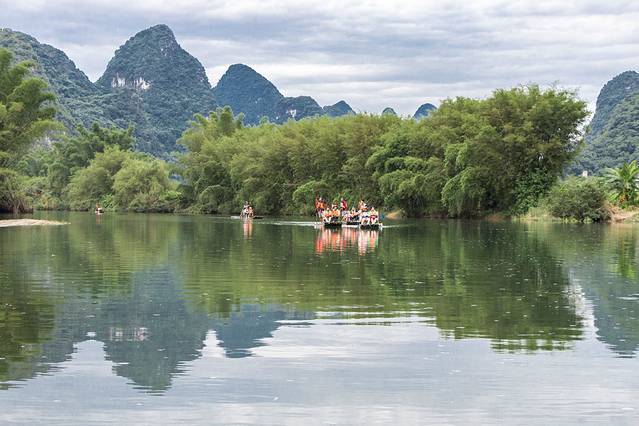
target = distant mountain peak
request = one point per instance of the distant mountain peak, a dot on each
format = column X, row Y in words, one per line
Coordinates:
column 159, row 81
column 247, row 75
column 338, row 109
column 245, row 90
column 388, row 111
column 158, row 36
column 160, row 29
column 296, row 108
column 423, row 111
column 152, row 54
column 71, row 86
column 612, row 93
column 154, row 84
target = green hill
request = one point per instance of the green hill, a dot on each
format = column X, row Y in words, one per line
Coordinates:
column 247, row 91
column 613, row 138
column 79, row 100
column 159, row 85
column 338, row 109
column 296, row 108
column 423, row 111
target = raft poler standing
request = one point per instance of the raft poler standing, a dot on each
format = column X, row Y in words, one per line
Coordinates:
column 343, row 205
column 320, row 206
column 247, row 211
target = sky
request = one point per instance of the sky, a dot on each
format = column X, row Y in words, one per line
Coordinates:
column 372, row 53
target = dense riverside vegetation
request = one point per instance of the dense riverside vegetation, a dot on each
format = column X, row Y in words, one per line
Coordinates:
column 469, row 158
column 98, row 166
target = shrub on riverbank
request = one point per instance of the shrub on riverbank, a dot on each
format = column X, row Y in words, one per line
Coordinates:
column 123, row 180
column 581, row 199
column 13, row 198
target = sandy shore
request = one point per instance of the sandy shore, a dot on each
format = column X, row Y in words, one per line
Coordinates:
column 28, row 222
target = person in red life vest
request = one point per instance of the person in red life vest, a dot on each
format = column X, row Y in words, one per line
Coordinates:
column 320, row 206
column 343, row 204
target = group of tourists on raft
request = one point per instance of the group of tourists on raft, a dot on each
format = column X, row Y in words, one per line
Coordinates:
column 339, row 213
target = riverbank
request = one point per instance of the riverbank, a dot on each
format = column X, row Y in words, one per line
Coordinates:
column 29, row 222
column 615, row 215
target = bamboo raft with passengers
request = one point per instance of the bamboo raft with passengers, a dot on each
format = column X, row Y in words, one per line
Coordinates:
column 338, row 215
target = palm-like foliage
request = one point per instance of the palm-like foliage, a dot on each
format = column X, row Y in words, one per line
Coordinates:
column 624, row 183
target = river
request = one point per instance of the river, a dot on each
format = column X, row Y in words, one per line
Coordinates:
column 158, row 319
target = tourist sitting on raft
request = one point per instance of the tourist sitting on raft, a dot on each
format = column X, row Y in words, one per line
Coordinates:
column 369, row 217
column 332, row 215
column 352, row 216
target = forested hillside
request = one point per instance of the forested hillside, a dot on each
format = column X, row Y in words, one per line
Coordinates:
column 613, row 137
column 159, row 84
column 79, row 101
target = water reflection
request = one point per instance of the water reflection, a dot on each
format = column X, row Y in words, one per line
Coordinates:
column 247, row 228
column 603, row 262
column 248, row 326
column 152, row 288
column 338, row 240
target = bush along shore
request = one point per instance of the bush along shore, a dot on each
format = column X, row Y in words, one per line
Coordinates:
column 470, row 158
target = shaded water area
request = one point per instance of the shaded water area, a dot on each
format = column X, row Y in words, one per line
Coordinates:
column 195, row 319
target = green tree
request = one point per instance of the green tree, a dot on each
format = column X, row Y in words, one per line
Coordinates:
column 73, row 153
column 468, row 158
column 143, row 185
column 93, row 184
column 505, row 143
column 26, row 109
column 624, row 183
column 26, row 115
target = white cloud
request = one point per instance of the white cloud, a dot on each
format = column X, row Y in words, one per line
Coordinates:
column 371, row 53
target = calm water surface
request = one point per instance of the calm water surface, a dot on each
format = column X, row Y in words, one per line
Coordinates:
column 157, row 319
